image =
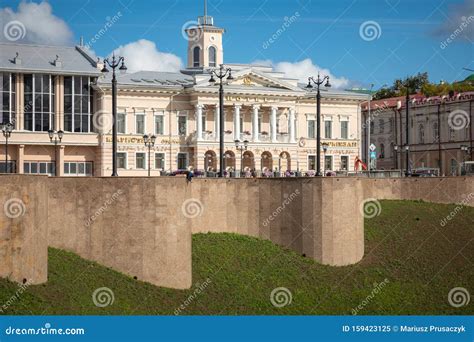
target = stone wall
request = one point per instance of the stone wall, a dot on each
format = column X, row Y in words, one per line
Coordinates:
column 23, row 228
column 143, row 226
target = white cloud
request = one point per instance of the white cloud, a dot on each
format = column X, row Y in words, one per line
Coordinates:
column 34, row 23
column 144, row 55
column 303, row 69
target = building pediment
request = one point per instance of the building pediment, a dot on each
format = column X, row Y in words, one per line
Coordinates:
column 254, row 81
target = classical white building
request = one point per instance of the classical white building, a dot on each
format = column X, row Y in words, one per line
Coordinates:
column 61, row 88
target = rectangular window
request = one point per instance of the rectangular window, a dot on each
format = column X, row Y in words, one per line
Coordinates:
column 159, row 161
column 159, row 124
column 182, row 161
column 140, row 160
column 381, row 126
column 78, row 169
column 344, row 129
column 10, row 167
column 328, row 163
column 39, row 168
column 39, row 103
column 140, row 124
column 344, row 163
column 311, row 129
column 328, row 129
column 311, row 163
column 182, row 125
column 7, row 98
column 121, row 160
column 203, row 123
column 259, row 124
column 121, row 117
column 77, row 104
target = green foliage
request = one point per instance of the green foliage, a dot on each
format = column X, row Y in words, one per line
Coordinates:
column 418, row 261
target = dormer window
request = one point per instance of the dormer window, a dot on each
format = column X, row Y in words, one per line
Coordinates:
column 197, row 57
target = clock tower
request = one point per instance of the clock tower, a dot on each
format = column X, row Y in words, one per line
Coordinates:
column 205, row 43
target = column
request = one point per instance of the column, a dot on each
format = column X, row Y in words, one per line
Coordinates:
column 60, row 161
column 199, row 122
column 292, row 125
column 20, row 159
column 217, row 122
column 237, row 122
column 273, row 122
column 255, row 134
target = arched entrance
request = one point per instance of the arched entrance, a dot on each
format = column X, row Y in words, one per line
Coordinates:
column 267, row 161
column 248, row 161
column 229, row 160
column 210, row 161
column 285, row 162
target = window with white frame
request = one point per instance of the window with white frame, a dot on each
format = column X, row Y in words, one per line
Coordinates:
column 344, row 129
column 344, row 163
column 122, row 160
column 121, row 123
column 328, row 129
column 182, row 123
column 78, row 169
column 311, row 163
column 159, row 161
column 77, row 104
column 7, row 98
column 39, row 168
column 140, row 123
column 182, row 161
column 39, row 103
column 159, row 123
column 311, row 129
column 140, row 160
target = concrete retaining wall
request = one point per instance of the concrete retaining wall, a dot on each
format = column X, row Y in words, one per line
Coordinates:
column 143, row 226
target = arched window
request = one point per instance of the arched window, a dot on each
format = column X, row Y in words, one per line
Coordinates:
column 435, row 131
column 197, row 56
column 382, row 151
column 212, row 56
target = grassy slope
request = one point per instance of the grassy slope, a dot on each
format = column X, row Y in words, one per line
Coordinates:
column 406, row 245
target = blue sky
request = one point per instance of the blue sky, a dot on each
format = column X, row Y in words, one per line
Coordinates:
column 326, row 32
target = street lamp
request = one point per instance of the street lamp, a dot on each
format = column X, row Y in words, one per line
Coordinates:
column 318, row 82
column 325, row 149
column 149, row 142
column 395, row 149
column 114, row 63
column 241, row 147
column 55, row 137
column 221, row 74
column 7, row 133
column 407, row 131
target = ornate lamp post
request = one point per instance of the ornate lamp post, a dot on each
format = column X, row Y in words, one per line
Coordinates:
column 325, row 149
column 395, row 150
column 114, row 63
column 221, row 74
column 318, row 82
column 7, row 133
column 241, row 147
column 56, row 138
column 149, row 143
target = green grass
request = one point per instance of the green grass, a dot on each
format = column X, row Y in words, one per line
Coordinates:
column 406, row 245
